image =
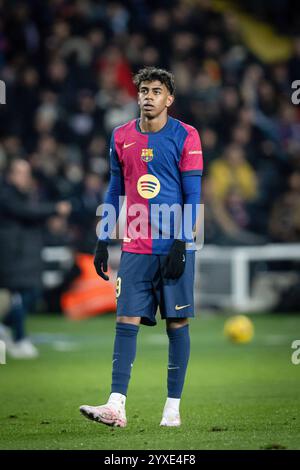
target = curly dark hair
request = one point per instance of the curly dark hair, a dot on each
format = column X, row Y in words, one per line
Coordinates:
column 149, row 74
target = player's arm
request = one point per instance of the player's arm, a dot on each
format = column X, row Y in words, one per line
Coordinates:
column 111, row 205
column 191, row 166
column 191, row 190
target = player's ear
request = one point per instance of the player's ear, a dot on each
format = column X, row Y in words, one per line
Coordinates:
column 170, row 100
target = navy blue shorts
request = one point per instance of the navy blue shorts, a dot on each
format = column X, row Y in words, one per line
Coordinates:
column 141, row 289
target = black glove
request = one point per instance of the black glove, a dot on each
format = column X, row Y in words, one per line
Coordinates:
column 100, row 259
column 175, row 262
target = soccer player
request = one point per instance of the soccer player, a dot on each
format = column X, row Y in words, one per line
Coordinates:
column 155, row 160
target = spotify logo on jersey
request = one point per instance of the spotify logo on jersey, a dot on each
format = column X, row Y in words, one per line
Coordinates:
column 148, row 186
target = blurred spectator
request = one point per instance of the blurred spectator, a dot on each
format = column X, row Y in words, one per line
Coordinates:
column 84, row 121
column 115, row 64
column 85, row 205
column 209, row 139
column 294, row 62
column 233, row 171
column 21, row 220
column 226, row 222
column 285, row 216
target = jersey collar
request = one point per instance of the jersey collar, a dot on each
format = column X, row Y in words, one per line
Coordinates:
column 163, row 129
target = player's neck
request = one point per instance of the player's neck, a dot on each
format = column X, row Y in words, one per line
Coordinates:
column 154, row 124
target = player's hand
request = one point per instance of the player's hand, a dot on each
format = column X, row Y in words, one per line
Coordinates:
column 175, row 262
column 101, row 258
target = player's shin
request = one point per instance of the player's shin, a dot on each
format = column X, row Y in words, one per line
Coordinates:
column 179, row 353
column 123, row 358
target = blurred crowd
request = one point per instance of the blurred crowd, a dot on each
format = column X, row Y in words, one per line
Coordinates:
column 68, row 67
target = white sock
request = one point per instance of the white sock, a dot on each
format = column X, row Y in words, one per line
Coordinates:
column 172, row 405
column 117, row 399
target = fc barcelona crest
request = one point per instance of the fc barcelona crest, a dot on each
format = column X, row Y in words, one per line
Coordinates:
column 147, row 155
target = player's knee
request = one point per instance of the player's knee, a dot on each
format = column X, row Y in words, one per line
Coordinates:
column 177, row 322
column 130, row 320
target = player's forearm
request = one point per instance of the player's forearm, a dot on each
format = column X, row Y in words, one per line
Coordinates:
column 191, row 189
column 111, row 207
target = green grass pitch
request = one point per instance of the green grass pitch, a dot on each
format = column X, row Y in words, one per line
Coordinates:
column 235, row 396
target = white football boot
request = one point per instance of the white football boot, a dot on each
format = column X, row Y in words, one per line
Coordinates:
column 171, row 415
column 171, row 419
column 23, row 349
column 112, row 413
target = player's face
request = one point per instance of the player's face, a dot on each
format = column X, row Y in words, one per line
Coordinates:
column 153, row 98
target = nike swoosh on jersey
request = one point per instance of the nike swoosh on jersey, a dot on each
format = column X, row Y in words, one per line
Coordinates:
column 179, row 307
column 192, row 152
column 125, row 146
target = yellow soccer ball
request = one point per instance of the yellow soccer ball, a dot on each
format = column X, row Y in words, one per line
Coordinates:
column 239, row 329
